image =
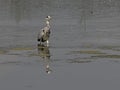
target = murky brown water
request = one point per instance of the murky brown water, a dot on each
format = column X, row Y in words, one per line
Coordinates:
column 84, row 51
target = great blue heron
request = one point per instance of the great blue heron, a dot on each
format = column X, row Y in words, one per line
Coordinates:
column 44, row 34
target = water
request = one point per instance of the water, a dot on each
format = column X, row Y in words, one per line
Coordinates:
column 84, row 51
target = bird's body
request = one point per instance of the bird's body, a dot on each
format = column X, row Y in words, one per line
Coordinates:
column 44, row 34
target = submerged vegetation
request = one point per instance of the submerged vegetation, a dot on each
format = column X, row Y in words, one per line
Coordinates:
column 107, row 56
column 87, row 52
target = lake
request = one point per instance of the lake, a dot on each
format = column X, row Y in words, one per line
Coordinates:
column 84, row 51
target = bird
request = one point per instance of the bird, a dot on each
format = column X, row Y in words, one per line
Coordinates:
column 44, row 34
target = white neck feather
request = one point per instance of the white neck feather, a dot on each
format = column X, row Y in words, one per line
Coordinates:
column 48, row 23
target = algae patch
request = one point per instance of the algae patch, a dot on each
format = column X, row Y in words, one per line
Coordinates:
column 107, row 56
column 81, row 60
column 87, row 52
column 3, row 52
column 114, row 48
column 78, row 61
column 22, row 48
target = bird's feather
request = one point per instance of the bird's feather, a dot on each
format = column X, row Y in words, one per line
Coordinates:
column 44, row 34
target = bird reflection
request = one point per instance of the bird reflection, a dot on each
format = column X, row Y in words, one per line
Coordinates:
column 44, row 53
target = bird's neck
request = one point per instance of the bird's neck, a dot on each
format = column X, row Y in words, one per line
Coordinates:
column 47, row 23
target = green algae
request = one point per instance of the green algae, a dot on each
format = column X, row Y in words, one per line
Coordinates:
column 3, row 52
column 21, row 48
column 87, row 52
column 107, row 56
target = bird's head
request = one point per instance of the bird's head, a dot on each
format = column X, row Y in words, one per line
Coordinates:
column 48, row 17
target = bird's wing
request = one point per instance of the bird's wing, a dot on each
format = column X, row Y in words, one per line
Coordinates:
column 46, row 30
column 41, row 33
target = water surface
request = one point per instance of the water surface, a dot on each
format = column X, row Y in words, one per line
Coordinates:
column 84, row 51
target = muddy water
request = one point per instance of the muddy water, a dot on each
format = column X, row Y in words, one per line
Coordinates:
column 84, row 51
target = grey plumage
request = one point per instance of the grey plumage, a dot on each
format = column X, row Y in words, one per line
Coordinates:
column 44, row 34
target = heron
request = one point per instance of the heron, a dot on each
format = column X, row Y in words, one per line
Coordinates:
column 44, row 34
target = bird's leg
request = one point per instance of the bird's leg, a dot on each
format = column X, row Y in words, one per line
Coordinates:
column 47, row 43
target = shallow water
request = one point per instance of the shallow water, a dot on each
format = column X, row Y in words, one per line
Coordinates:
column 84, row 51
